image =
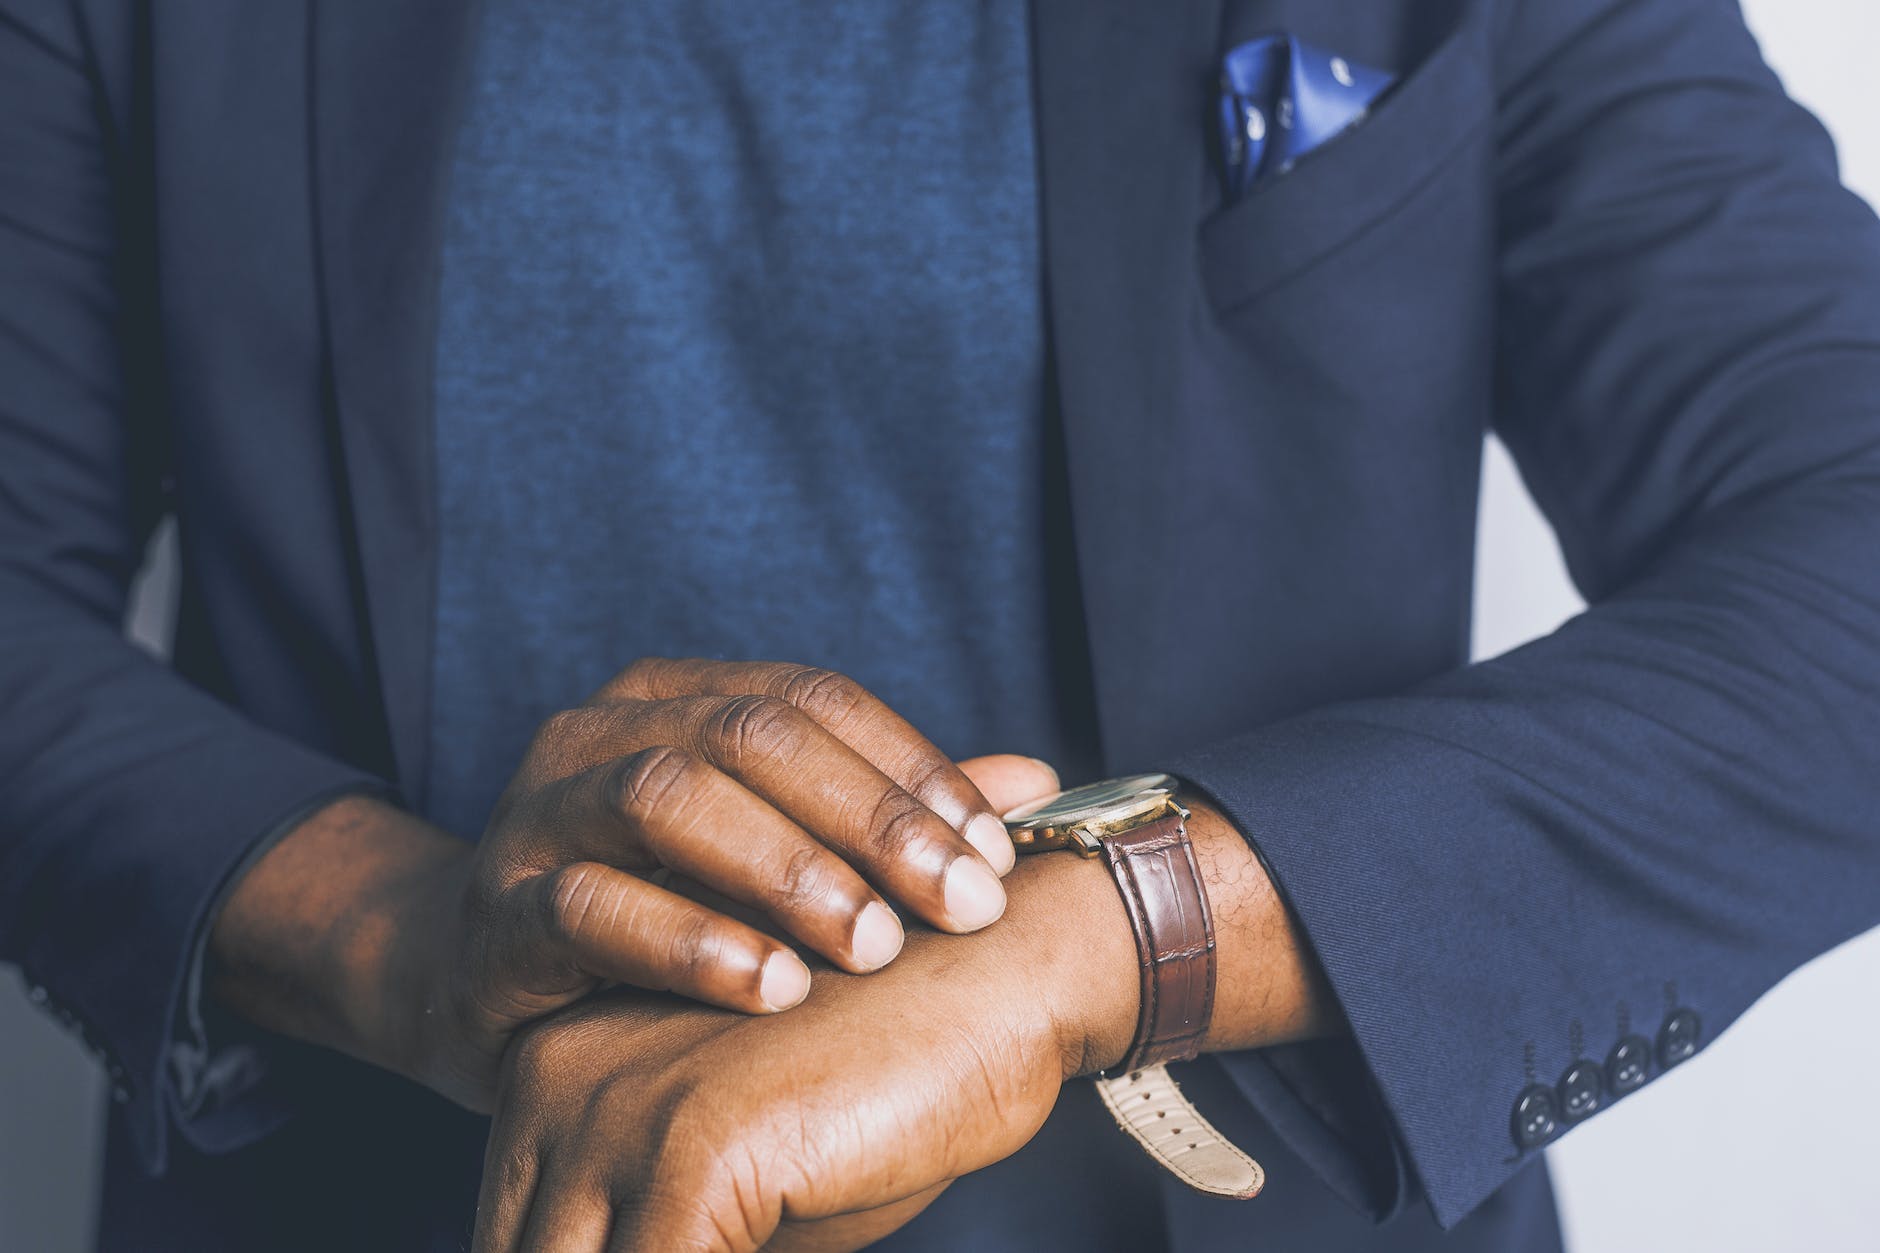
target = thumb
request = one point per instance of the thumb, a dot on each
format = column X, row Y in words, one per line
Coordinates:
column 1007, row 780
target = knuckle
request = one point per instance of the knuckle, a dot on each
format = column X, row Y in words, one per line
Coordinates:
column 535, row 1057
column 570, row 725
column 566, row 741
column 639, row 676
column 826, row 695
column 650, row 778
column 576, row 896
column 512, row 1171
column 564, row 727
column 805, row 882
column 755, row 726
column 694, row 948
column 685, row 1212
column 931, row 776
column 898, row 827
column 700, row 1194
column 642, row 678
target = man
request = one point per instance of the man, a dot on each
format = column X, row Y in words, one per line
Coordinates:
column 480, row 350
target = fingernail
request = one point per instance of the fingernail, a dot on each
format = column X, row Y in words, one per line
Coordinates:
column 877, row 938
column 988, row 835
column 786, row 980
column 974, row 895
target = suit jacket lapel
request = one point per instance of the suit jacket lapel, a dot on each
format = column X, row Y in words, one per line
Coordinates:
column 387, row 84
column 1123, row 113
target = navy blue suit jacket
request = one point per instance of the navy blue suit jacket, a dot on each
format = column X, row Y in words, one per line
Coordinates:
column 1596, row 227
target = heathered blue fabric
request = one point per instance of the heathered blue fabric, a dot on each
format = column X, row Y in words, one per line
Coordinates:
column 741, row 355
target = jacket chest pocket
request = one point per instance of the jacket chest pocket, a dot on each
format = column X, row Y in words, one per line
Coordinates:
column 1350, row 302
column 1390, row 175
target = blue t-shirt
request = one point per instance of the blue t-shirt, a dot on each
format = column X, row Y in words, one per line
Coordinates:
column 741, row 355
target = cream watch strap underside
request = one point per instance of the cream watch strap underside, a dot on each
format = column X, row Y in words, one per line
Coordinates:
column 1154, row 1112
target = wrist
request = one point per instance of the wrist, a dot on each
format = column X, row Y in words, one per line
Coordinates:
column 1069, row 916
column 1069, row 919
column 327, row 935
column 401, row 964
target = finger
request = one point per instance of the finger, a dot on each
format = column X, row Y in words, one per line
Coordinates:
column 509, row 1174
column 617, row 926
column 570, row 1215
column 840, row 797
column 696, row 820
column 854, row 715
column 1008, row 780
column 850, row 1231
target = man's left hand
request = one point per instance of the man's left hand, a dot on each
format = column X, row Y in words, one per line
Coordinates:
column 635, row 1122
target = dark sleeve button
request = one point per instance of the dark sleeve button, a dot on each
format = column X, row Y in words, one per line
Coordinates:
column 1581, row 1090
column 1536, row 1117
column 1628, row 1065
column 1677, row 1039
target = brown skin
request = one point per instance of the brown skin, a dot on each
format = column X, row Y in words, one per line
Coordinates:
column 636, row 1121
column 632, row 1123
column 786, row 789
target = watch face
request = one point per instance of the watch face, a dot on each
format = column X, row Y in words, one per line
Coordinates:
column 1111, row 800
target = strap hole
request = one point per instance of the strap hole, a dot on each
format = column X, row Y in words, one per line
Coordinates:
column 1191, row 1146
column 1161, row 1113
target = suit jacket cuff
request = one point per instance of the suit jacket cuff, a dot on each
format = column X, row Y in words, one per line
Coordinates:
column 1347, row 817
column 119, row 969
column 220, row 1067
column 1318, row 1096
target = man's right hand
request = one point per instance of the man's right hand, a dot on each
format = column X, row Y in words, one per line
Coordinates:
column 784, row 788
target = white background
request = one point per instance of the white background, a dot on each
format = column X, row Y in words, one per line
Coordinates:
column 1769, row 1139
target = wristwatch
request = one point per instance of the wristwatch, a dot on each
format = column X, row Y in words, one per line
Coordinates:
column 1138, row 828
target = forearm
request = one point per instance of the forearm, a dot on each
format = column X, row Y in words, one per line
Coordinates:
column 315, row 940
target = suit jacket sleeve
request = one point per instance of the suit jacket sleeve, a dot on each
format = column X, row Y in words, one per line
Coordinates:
column 127, row 795
column 1671, row 801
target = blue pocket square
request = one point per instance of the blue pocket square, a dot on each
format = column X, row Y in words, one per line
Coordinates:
column 1282, row 98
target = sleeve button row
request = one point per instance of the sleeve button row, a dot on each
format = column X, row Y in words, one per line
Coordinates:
column 1541, row 1111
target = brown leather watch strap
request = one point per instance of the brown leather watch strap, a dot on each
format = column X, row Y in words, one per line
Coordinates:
column 1155, row 867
